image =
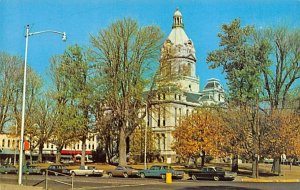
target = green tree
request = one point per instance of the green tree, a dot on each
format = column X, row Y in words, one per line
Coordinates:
column 68, row 118
column 238, row 56
column 76, row 69
column 124, row 52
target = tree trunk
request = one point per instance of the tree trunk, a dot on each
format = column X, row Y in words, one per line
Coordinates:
column 122, row 147
column 82, row 163
column 41, row 147
column 58, row 155
column 235, row 164
column 276, row 168
column 255, row 173
column 30, row 157
column 202, row 158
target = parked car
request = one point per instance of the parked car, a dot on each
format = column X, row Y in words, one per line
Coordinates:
column 6, row 169
column 123, row 171
column 215, row 173
column 268, row 160
column 160, row 171
column 32, row 170
column 56, row 169
column 87, row 171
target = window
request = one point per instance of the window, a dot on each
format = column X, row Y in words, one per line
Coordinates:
column 3, row 143
column 18, row 142
column 8, row 143
column 187, row 112
column 158, row 118
column 179, row 97
column 164, row 96
column 164, row 141
column 175, row 96
column 51, row 146
column 175, row 116
column 158, row 141
column 164, row 116
column 78, row 146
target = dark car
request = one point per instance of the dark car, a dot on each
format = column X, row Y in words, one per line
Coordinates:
column 56, row 169
column 8, row 169
column 215, row 173
column 160, row 171
column 123, row 171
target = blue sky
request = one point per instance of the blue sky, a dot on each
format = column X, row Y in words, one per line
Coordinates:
column 82, row 18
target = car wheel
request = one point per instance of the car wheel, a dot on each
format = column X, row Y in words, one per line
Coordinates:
column 43, row 173
column 27, row 173
column 194, row 177
column 110, row 174
column 163, row 176
column 73, row 174
column 87, row 175
column 6, row 172
column 55, row 173
column 125, row 175
column 216, row 178
column 142, row 175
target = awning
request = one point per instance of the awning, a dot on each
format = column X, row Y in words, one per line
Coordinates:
column 74, row 152
column 9, row 151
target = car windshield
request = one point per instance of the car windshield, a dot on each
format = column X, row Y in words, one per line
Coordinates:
column 128, row 168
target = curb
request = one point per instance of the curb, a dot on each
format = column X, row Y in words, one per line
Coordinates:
column 271, row 180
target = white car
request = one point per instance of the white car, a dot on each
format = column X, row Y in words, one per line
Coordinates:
column 87, row 171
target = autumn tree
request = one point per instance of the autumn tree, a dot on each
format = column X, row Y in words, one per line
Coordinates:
column 281, row 135
column 201, row 133
column 124, row 53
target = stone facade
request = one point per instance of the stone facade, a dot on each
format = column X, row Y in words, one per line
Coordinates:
column 181, row 94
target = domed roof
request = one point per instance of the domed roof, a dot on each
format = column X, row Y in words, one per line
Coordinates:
column 177, row 13
column 213, row 84
column 178, row 35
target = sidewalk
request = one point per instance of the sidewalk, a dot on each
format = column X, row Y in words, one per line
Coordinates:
column 291, row 175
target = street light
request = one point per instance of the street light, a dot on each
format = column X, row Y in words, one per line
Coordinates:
column 146, row 128
column 64, row 38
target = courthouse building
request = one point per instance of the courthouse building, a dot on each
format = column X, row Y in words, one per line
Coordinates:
column 182, row 94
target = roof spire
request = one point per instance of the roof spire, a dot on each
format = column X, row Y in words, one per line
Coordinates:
column 177, row 19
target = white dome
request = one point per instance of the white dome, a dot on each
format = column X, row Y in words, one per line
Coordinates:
column 177, row 13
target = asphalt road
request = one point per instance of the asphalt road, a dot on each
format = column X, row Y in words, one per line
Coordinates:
column 95, row 183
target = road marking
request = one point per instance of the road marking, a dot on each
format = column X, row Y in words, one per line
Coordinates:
column 102, row 187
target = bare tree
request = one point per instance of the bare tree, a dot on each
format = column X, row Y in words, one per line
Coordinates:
column 124, row 53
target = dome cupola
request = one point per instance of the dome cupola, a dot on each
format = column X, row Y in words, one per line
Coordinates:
column 177, row 19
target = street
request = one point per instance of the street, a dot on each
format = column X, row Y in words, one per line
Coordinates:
column 94, row 183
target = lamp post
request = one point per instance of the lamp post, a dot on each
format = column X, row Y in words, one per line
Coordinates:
column 64, row 38
column 146, row 128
